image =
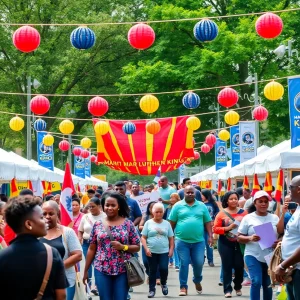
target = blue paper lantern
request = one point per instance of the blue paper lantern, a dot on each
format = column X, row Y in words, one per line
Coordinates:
column 129, row 128
column 40, row 125
column 191, row 100
column 206, row 30
column 82, row 38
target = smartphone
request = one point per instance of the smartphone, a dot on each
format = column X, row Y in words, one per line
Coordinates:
column 292, row 205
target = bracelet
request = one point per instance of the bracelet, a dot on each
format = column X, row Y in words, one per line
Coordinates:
column 125, row 248
column 281, row 267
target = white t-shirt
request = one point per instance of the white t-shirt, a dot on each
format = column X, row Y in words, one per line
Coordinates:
column 291, row 238
column 246, row 228
column 248, row 203
column 87, row 223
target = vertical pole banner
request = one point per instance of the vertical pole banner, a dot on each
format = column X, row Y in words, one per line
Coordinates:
column 44, row 153
column 294, row 104
column 248, row 144
column 88, row 167
column 181, row 173
column 235, row 145
column 79, row 165
column 220, row 154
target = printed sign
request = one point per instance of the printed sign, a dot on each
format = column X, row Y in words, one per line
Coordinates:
column 235, row 145
column 248, row 145
column 44, row 153
column 145, row 199
column 220, row 154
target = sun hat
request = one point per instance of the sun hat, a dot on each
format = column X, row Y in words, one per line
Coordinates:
column 260, row 194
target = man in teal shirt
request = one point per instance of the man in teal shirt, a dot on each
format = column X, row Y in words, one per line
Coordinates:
column 188, row 217
column 165, row 191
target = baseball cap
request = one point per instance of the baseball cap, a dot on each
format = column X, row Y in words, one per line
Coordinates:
column 260, row 194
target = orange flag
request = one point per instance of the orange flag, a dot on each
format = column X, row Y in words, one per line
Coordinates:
column 268, row 183
column 14, row 188
column 219, row 187
column 229, row 184
column 279, row 186
column 49, row 188
column 246, row 183
column 256, row 186
column 29, row 185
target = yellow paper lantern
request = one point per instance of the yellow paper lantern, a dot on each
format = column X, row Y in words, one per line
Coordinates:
column 101, row 127
column 66, row 127
column 149, row 104
column 193, row 123
column 232, row 117
column 48, row 140
column 273, row 91
column 86, row 143
column 224, row 135
column 16, row 123
column 153, row 127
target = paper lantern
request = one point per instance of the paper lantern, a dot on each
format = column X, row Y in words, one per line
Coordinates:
column 26, row 39
column 76, row 151
column 193, row 123
column 93, row 158
column 98, row 106
column 16, row 123
column 39, row 125
column 86, row 143
column 141, row 36
column 64, row 145
column 191, row 100
column 48, row 140
column 224, row 135
column 39, row 105
column 269, row 26
column 210, row 140
column 82, row 38
column 187, row 162
column 129, row 128
column 66, row 127
column 232, row 117
column 228, row 97
column 260, row 113
column 85, row 154
column 205, row 148
column 273, row 91
column 196, row 155
column 153, row 127
column 206, row 30
column 149, row 104
column 101, row 127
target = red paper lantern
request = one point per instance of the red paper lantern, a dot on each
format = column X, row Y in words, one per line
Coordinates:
column 228, row 97
column 98, row 106
column 64, row 145
column 77, row 151
column 269, row 26
column 210, row 145
column 85, row 154
column 26, row 39
column 93, row 158
column 196, row 155
column 260, row 113
column 141, row 36
column 205, row 148
column 210, row 140
column 39, row 105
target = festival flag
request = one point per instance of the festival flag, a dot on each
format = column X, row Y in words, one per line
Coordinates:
column 208, row 184
column 279, row 186
column 49, row 188
column 246, row 182
column 229, row 184
column 268, row 183
column 29, row 185
column 157, row 176
column 219, row 186
column 13, row 188
column 66, row 197
column 256, row 186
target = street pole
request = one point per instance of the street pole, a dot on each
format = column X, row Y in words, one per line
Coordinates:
column 218, row 116
column 70, row 152
column 256, row 102
column 29, row 150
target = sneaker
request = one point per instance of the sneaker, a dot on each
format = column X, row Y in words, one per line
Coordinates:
column 95, row 291
column 164, row 289
column 157, row 281
column 211, row 264
column 171, row 265
column 183, row 292
column 128, row 296
column 177, row 269
column 220, row 283
column 151, row 294
column 130, row 289
column 246, row 282
column 198, row 287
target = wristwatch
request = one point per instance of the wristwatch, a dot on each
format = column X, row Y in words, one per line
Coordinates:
column 125, row 248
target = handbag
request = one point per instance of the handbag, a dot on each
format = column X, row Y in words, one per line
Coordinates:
column 47, row 272
column 135, row 270
column 80, row 292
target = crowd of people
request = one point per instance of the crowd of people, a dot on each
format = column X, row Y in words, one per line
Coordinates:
column 40, row 258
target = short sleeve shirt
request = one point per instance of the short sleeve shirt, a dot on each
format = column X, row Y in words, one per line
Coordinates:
column 135, row 211
column 165, row 193
column 190, row 220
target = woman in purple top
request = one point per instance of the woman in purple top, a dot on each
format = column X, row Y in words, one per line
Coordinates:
column 110, row 271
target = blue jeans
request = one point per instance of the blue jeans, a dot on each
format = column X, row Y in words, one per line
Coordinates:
column 85, row 247
column 111, row 287
column 259, row 276
column 190, row 252
column 175, row 259
column 209, row 250
column 293, row 288
column 71, row 292
column 160, row 261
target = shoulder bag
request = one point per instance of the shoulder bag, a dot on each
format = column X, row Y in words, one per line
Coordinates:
column 47, row 272
column 135, row 270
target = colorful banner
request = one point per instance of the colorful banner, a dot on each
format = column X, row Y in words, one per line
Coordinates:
column 88, row 167
column 100, row 177
column 248, row 144
column 220, row 154
column 45, row 153
column 294, row 104
column 235, row 145
column 79, row 165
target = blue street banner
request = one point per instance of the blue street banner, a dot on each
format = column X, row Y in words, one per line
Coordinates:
column 294, row 104
column 44, row 153
column 235, row 145
column 88, row 167
column 79, row 165
column 248, row 140
column 220, row 154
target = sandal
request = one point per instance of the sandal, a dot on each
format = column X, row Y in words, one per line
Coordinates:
column 239, row 293
column 228, row 295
